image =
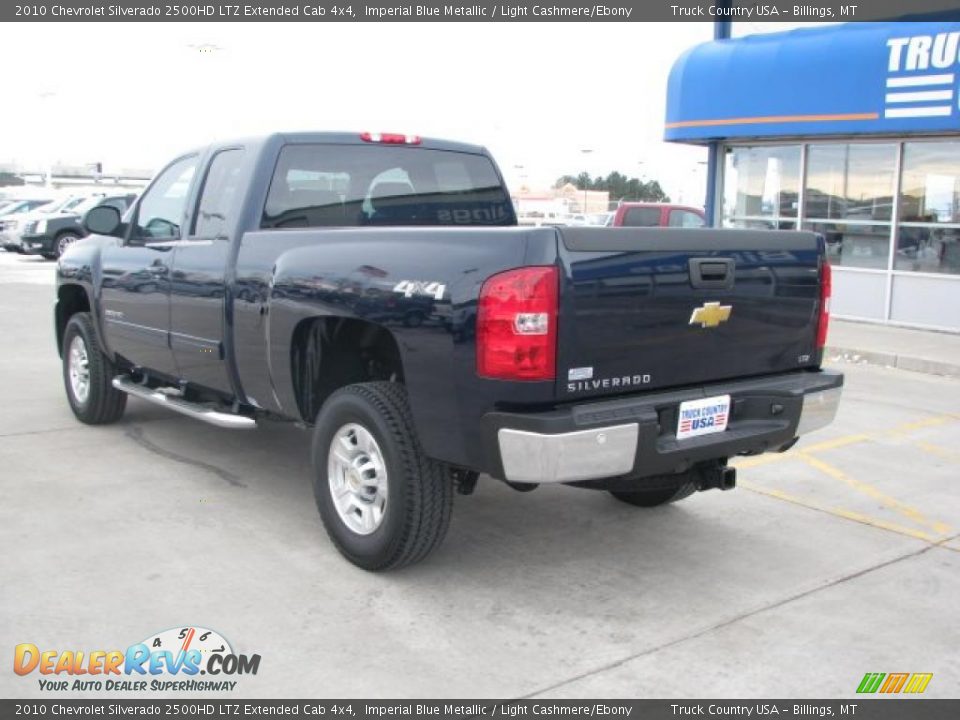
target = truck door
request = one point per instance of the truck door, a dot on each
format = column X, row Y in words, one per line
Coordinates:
column 198, row 281
column 135, row 299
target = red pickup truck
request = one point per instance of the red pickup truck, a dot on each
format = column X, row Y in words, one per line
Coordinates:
column 641, row 214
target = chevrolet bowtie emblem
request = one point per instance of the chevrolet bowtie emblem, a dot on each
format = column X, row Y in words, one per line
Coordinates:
column 710, row 314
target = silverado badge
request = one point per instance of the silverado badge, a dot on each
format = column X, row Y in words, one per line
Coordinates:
column 710, row 314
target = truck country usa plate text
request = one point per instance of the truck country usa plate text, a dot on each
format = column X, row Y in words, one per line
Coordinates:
column 702, row 417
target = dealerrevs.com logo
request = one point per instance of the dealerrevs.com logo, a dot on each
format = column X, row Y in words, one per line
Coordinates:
column 169, row 661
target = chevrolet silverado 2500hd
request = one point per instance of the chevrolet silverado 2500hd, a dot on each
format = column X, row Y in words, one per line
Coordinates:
column 376, row 287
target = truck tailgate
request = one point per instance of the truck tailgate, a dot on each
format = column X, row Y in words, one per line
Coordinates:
column 644, row 308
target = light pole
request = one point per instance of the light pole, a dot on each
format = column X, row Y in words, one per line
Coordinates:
column 585, row 151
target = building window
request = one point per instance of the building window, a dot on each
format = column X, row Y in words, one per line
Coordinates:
column 928, row 239
column 848, row 197
column 850, row 182
column 855, row 244
column 762, row 187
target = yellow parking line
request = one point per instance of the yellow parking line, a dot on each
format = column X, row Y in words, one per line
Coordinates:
column 836, row 443
column 939, row 451
column 891, row 502
column 842, row 513
column 909, row 427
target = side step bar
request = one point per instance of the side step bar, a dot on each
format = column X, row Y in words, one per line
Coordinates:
column 194, row 410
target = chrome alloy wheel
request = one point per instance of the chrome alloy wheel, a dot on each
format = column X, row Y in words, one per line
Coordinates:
column 78, row 367
column 64, row 242
column 357, row 476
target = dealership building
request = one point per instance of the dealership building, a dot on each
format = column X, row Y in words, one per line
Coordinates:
column 852, row 131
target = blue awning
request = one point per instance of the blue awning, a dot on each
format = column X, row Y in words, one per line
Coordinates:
column 858, row 78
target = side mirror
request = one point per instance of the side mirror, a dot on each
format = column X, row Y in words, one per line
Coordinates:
column 102, row 220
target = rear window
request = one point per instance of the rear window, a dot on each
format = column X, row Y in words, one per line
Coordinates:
column 345, row 185
column 641, row 217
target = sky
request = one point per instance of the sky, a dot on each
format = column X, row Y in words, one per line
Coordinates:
column 547, row 99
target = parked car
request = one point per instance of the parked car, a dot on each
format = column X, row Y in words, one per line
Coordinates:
column 275, row 278
column 52, row 233
column 642, row 214
column 10, row 218
column 12, row 241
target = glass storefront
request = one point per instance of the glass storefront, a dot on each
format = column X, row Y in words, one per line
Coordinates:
column 889, row 208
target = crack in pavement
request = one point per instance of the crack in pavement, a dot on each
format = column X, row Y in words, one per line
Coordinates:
column 70, row 428
column 731, row 621
column 135, row 433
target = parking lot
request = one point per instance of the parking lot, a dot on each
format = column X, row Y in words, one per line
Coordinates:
column 836, row 559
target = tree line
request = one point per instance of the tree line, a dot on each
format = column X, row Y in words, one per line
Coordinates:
column 619, row 186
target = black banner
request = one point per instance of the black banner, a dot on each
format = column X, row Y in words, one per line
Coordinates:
column 521, row 11
column 869, row 709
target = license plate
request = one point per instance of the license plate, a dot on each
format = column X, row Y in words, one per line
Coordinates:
column 702, row 417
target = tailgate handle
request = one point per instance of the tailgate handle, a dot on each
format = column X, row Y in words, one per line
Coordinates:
column 712, row 273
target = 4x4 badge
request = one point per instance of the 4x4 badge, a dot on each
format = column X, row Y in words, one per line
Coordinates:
column 710, row 314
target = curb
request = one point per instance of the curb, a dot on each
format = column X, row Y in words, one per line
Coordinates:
column 901, row 362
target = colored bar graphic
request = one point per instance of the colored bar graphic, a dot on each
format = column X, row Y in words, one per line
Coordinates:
column 895, row 682
column 870, row 682
column 918, row 683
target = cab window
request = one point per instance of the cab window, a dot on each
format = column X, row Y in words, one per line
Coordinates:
column 162, row 208
column 218, row 195
column 685, row 219
column 642, row 217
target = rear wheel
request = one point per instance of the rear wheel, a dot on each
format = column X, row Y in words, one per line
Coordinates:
column 659, row 496
column 383, row 502
column 88, row 375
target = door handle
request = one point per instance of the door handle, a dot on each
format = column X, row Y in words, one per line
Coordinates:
column 158, row 270
column 712, row 273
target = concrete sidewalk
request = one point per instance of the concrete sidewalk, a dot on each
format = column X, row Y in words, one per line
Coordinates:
column 923, row 351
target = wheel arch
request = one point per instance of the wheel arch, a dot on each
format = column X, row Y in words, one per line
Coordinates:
column 331, row 352
column 71, row 299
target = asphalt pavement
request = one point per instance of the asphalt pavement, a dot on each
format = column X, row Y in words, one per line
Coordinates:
column 838, row 558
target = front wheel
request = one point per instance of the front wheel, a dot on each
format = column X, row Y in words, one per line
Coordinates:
column 88, row 375
column 64, row 240
column 383, row 502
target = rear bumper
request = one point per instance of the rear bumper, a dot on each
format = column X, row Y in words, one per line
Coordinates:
column 636, row 437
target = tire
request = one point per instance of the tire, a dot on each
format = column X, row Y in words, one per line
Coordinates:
column 653, row 498
column 95, row 401
column 393, row 503
column 63, row 241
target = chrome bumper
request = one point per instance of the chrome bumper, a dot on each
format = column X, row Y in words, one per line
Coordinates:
column 566, row 457
column 819, row 409
column 613, row 450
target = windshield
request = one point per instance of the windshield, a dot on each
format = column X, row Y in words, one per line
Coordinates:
column 21, row 206
column 86, row 204
column 68, row 204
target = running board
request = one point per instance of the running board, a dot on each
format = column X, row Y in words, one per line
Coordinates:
column 198, row 412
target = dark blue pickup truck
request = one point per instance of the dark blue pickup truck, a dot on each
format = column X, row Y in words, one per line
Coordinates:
column 376, row 288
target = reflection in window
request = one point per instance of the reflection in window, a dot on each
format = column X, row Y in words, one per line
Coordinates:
column 864, row 246
column 161, row 209
column 218, row 196
column 851, row 182
column 928, row 249
column 930, row 191
column 762, row 181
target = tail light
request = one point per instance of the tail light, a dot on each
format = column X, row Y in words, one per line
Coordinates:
column 390, row 138
column 517, row 325
column 826, row 290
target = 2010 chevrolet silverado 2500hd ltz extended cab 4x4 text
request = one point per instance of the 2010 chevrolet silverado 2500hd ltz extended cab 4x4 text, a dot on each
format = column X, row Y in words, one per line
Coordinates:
column 376, row 288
